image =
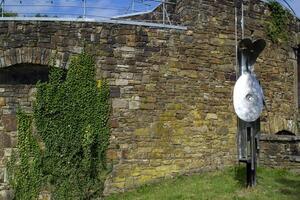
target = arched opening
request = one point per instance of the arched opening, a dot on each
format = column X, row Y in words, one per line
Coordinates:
column 17, row 90
column 285, row 132
column 24, row 74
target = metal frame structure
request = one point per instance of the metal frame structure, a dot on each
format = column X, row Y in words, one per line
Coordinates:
column 110, row 21
column 84, row 9
column 2, row 7
column 163, row 3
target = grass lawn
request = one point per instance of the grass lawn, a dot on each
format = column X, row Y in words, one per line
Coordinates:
column 229, row 184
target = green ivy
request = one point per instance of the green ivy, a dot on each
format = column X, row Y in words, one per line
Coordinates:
column 25, row 164
column 71, row 120
column 277, row 26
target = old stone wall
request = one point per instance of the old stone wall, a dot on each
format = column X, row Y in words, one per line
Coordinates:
column 280, row 151
column 276, row 67
column 12, row 97
column 171, row 90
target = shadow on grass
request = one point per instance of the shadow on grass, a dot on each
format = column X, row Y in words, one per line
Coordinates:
column 289, row 187
column 240, row 175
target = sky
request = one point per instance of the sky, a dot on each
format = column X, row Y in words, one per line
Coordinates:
column 295, row 4
column 94, row 8
column 74, row 8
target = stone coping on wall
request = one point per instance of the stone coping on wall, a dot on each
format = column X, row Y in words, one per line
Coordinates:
column 284, row 138
column 104, row 20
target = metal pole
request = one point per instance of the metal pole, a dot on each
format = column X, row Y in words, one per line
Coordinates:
column 163, row 2
column 243, row 21
column 236, row 43
column 252, row 132
column 84, row 8
column 133, row 6
column 2, row 8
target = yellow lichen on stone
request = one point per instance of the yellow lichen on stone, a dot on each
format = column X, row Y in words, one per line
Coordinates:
column 142, row 132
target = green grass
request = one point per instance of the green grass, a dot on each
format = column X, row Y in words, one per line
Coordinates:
column 273, row 184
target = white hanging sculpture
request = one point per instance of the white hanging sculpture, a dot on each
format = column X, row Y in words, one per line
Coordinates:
column 248, row 98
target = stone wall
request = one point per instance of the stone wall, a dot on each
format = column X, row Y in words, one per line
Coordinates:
column 277, row 65
column 280, row 151
column 12, row 97
column 171, row 90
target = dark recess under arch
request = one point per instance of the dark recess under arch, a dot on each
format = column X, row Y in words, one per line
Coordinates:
column 24, row 74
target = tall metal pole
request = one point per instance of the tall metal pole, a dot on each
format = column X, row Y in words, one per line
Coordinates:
column 236, row 41
column 133, row 6
column 243, row 21
column 2, row 8
column 84, row 8
column 164, row 11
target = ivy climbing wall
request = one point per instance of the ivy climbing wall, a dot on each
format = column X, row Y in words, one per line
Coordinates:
column 171, row 90
column 12, row 97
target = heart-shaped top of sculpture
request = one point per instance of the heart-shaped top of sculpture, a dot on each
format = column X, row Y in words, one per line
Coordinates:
column 248, row 99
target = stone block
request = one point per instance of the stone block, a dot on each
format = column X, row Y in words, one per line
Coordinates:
column 8, row 152
column 127, row 49
column 211, row 116
column 114, row 123
column 147, row 106
column 119, row 103
column 10, row 122
column 121, row 82
column 149, row 99
column 2, row 101
column 111, row 154
column 5, row 140
column 6, row 195
column 126, row 75
column 134, row 105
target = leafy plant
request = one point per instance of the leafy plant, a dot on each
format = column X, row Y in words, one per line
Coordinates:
column 71, row 120
column 8, row 14
column 24, row 165
column 277, row 27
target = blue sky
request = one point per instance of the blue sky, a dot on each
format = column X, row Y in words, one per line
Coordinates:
column 295, row 4
column 95, row 8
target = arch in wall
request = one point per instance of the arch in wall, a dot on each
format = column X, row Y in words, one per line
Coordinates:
column 24, row 74
column 285, row 132
column 33, row 55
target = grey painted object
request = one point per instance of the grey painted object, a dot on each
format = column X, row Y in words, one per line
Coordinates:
column 248, row 104
column 248, row 99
